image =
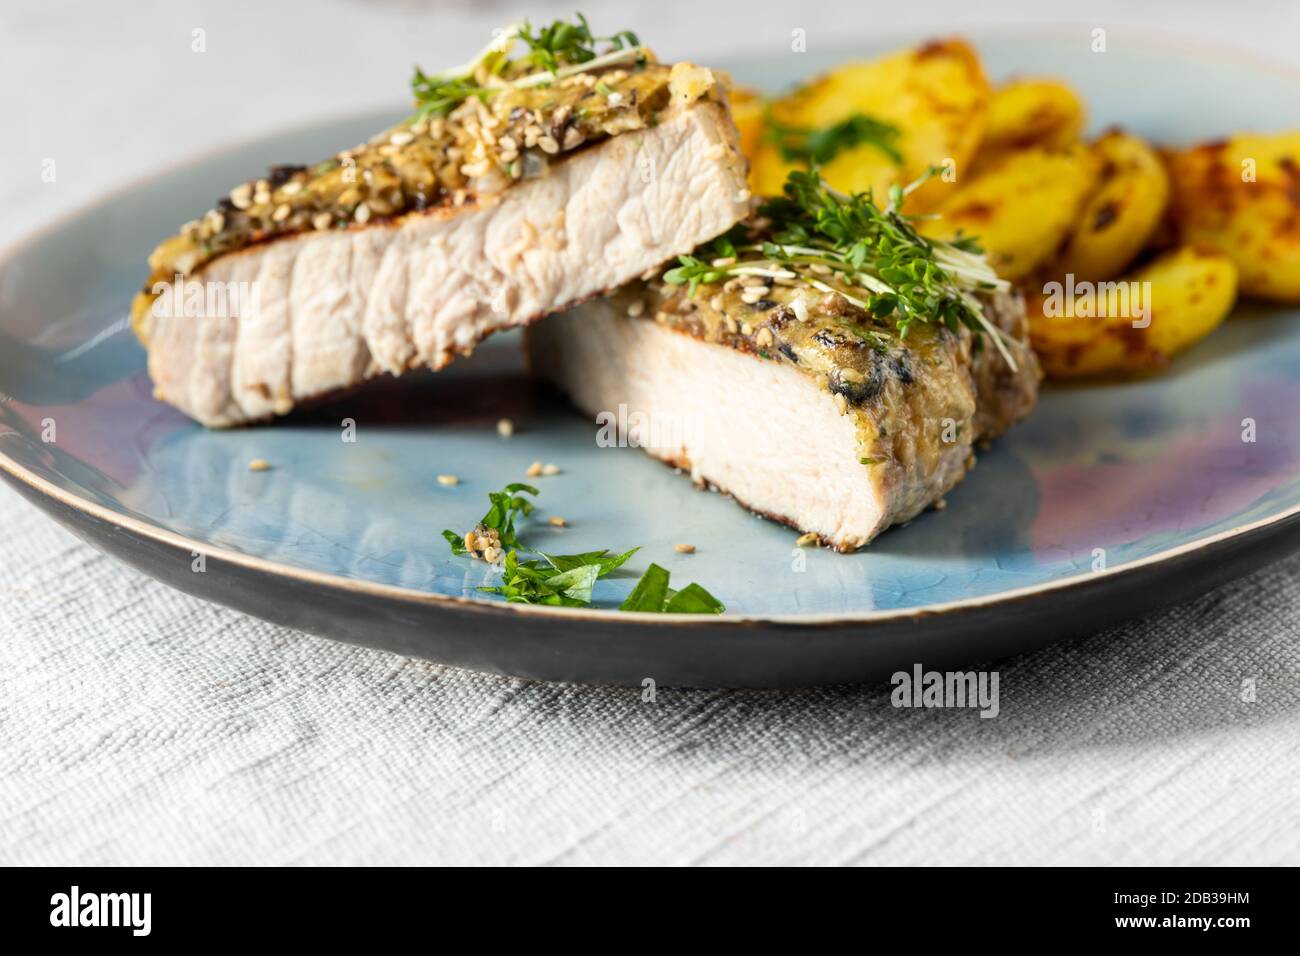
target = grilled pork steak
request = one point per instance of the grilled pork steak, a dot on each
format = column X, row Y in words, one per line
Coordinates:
column 409, row 250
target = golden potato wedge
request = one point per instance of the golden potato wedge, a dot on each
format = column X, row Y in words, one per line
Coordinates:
column 1133, row 324
column 747, row 113
column 1033, row 111
column 1122, row 213
column 1022, row 208
column 1242, row 196
column 936, row 96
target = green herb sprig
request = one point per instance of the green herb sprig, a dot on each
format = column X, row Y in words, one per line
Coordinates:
column 903, row 275
column 563, row 43
column 817, row 147
column 557, row 50
column 566, row 580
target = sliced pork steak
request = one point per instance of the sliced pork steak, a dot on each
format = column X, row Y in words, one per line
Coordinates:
column 764, row 405
column 310, row 311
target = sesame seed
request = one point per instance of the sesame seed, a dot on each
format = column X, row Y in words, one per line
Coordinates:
column 448, row 480
column 940, row 504
column 809, row 540
column 362, row 215
column 820, row 269
column 800, row 306
column 534, row 469
column 841, row 403
column 505, row 428
column 291, row 188
column 723, row 262
column 716, row 303
column 548, row 469
column 322, row 220
column 259, row 464
column 635, row 308
column 471, row 539
column 401, row 137
column 548, row 144
column 281, row 212
column 852, row 376
column 764, row 338
column 555, row 521
column 684, row 548
column 242, row 196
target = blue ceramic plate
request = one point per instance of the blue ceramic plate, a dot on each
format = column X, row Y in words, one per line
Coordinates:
column 1108, row 501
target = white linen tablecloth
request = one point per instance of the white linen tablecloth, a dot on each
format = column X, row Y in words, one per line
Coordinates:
column 139, row 725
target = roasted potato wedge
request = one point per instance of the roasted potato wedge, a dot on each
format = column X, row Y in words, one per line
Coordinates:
column 936, row 96
column 1021, row 208
column 1242, row 196
column 1033, row 111
column 1134, row 324
column 1122, row 213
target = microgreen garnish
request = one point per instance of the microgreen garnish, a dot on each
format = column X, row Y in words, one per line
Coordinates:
column 903, row 276
column 563, row 43
column 552, row 52
column 438, row 96
column 566, row 580
column 817, row 147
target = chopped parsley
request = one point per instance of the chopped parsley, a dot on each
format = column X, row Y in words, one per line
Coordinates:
column 566, row 580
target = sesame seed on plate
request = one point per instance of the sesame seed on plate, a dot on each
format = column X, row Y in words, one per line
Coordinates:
column 259, row 464
column 448, row 480
column 809, row 540
column 556, row 521
column 505, row 428
column 534, row 469
column 684, row 548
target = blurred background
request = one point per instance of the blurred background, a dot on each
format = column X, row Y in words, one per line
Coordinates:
column 112, row 89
